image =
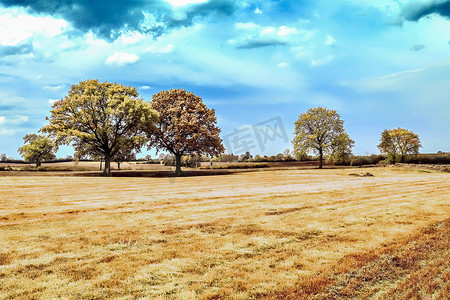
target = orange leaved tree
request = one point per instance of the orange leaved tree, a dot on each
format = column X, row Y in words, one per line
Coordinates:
column 185, row 126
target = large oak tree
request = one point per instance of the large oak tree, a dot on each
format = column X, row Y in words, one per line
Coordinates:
column 185, row 126
column 400, row 142
column 98, row 118
column 321, row 131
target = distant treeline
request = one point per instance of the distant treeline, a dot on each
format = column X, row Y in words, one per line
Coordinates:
column 440, row 158
column 193, row 161
column 58, row 160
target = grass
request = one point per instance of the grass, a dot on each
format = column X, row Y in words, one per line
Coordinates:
column 415, row 267
column 267, row 234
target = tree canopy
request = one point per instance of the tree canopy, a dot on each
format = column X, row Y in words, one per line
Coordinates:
column 37, row 149
column 321, row 131
column 100, row 118
column 185, row 126
column 399, row 142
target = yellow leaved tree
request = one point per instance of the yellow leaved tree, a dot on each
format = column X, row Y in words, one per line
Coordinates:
column 399, row 141
column 100, row 118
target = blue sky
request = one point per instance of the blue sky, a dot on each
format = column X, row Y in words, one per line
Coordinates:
column 380, row 64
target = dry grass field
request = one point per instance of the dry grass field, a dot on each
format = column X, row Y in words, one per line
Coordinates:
column 276, row 234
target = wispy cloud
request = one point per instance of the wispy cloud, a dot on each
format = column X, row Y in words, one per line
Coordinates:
column 16, row 50
column 15, row 120
column 54, row 87
column 160, row 49
column 254, row 35
column 330, row 41
column 322, row 61
column 417, row 47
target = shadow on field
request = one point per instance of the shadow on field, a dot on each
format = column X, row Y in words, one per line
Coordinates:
column 157, row 174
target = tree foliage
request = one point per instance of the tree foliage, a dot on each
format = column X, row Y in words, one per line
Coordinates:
column 100, row 119
column 399, row 142
column 37, row 149
column 185, row 126
column 321, row 131
column 341, row 152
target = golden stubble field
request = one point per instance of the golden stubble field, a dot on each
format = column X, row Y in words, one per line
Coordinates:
column 271, row 233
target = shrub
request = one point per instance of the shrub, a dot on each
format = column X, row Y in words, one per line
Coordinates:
column 190, row 161
column 367, row 160
column 443, row 158
column 241, row 166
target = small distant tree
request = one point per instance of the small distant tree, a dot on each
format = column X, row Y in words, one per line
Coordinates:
column 245, row 157
column 321, row 131
column 399, row 142
column 169, row 160
column 98, row 118
column 3, row 157
column 287, row 154
column 124, row 154
column 37, row 149
column 185, row 126
column 279, row 157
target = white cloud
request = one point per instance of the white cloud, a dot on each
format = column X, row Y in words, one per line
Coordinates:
column 169, row 48
column 268, row 30
column 7, row 132
column 52, row 101
column 330, row 41
column 131, row 38
column 282, row 65
column 284, row 30
column 6, row 99
column 256, row 34
column 16, row 26
column 16, row 120
column 247, row 26
column 321, row 62
column 54, row 87
column 20, row 120
column 121, row 59
column 145, row 87
column 258, row 11
column 304, row 21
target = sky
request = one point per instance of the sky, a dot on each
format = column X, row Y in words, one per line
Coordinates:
column 381, row 64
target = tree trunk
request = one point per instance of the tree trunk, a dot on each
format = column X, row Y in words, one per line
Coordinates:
column 101, row 160
column 107, row 170
column 178, row 164
column 320, row 159
column 118, row 165
column 38, row 164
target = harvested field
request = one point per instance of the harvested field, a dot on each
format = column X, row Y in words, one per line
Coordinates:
column 270, row 234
